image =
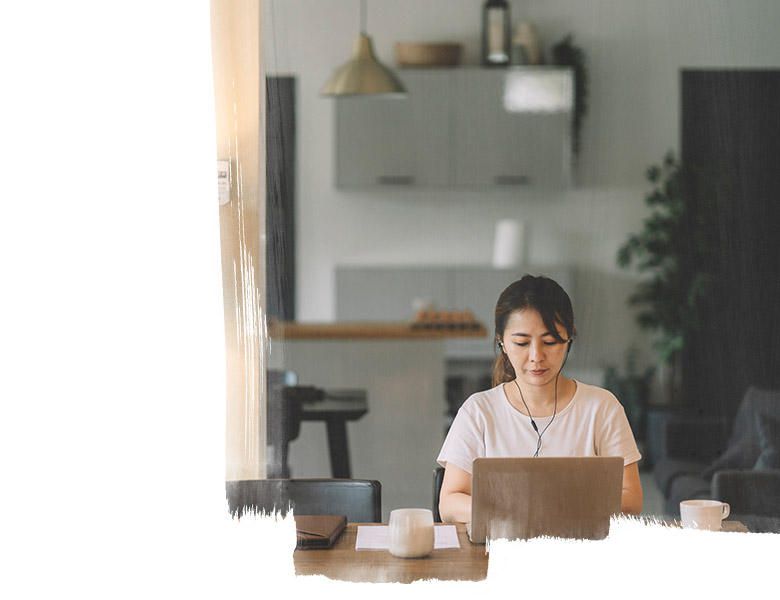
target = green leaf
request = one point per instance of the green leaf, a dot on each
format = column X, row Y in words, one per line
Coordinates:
column 676, row 247
column 653, row 174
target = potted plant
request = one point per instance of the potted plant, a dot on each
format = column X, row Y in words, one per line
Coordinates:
column 632, row 388
column 566, row 54
column 674, row 247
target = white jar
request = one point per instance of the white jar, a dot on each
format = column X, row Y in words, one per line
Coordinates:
column 411, row 532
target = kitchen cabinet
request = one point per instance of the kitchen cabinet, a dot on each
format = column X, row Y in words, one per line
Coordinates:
column 396, row 141
column 494, row 147
column 453, row 130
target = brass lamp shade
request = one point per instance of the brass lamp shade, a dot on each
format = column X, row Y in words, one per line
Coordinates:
column 363, row 74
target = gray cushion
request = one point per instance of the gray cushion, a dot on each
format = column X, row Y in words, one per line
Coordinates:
column 741, row 454
column 686, row 487
column 768, row 430
column 668, row 469
column 690, row 487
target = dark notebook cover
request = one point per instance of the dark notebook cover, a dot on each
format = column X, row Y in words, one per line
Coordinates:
column 318, row 531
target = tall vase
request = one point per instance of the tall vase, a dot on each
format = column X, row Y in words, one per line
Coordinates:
column 495, row 33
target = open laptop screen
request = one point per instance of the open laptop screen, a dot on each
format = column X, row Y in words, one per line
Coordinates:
column 523, row 498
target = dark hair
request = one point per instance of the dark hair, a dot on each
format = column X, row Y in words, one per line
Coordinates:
column 541, row 294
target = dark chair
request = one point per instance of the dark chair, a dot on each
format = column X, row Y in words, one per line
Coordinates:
column 438, row 477
column 283, row 419
column 290, row 403
column 359, row 499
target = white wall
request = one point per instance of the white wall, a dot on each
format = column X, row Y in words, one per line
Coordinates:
column 635, row 49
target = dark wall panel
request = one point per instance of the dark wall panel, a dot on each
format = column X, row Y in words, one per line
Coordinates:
column 731, row 131
column 280, row 198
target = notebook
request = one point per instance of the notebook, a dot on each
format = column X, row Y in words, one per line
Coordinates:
column 318, row 531
column 523, row 498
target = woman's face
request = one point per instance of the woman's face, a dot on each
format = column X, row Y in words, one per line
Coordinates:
column 535, row 354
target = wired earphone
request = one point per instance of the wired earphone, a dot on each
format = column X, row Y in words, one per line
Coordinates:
column 555, row 408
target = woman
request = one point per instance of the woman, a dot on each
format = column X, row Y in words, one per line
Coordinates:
column 533, row 410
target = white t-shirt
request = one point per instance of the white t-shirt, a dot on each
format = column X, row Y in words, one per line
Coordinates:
column 487, row 425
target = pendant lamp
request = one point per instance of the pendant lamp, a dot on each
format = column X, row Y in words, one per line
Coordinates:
column 363, row 74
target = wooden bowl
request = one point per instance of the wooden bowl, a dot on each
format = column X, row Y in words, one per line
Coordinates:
column 412, row 54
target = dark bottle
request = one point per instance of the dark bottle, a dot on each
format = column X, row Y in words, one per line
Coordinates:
column 495, row 33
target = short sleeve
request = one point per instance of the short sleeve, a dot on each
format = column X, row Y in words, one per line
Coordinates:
column 616, row 437
column 465, row 440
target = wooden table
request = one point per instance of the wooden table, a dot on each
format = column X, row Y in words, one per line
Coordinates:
column 727, row 526
column 343, row 562
column 467, row 563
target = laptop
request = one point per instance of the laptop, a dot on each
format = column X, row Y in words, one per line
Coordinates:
column 523, row 498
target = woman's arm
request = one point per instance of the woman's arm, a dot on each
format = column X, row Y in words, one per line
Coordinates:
column 632, row 490
column 455, row 495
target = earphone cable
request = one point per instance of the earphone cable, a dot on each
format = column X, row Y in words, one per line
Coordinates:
column 555, row 409
column 533, row 423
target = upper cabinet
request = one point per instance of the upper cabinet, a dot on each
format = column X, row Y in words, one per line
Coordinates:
column 460, row 128
column 396, row 141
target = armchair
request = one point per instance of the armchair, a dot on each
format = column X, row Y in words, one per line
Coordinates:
column 699, row 461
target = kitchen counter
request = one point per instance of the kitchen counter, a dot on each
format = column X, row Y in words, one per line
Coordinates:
column 400, row 366
column 376, row 330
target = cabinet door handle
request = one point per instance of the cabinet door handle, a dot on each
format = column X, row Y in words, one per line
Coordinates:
column 395, row 180
column 512, row 180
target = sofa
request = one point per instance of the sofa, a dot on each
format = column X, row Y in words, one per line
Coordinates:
column 705, row 458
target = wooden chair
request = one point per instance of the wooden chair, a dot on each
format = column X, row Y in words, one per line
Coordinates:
column 359, row 499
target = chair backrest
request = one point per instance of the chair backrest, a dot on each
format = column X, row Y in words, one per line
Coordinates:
column 359, row 499
column 283, row 419
column 438, row 477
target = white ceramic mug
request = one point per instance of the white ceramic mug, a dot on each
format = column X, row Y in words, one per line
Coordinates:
column 703, row 514
column 411, row 532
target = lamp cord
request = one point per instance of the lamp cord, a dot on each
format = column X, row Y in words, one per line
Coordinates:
column 363, row 17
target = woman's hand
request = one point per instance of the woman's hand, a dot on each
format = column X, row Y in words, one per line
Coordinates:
column 632, row 490
column 455, row 495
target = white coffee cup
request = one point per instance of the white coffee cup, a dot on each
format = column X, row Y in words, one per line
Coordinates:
column 411, row 532
column 703, row 514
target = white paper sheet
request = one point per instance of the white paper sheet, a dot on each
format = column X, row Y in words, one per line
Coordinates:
column 377, row 537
